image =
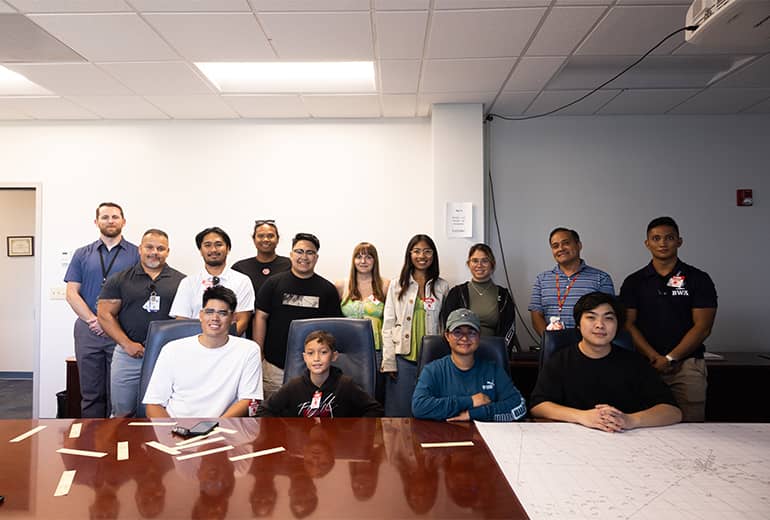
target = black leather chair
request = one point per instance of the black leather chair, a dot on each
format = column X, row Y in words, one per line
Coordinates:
column 355, row 345
column 490, row 347
column 554, row 340
column 158, row 334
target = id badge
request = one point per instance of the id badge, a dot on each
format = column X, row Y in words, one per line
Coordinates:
column 316, row 402
column 153, row 303
column 429, row 303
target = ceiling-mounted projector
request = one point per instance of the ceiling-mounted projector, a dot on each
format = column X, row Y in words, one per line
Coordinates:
column 730, row 25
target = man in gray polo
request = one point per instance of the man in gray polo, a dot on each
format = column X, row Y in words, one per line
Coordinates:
column 88, row 270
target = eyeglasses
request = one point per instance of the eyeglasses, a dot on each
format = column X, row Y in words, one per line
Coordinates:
column 215, row 280
column 307, row 252
column 477, row 261
column 418, row 251
column 458, row 334
column 258, row 223
column 152, row 288
column 212, row 312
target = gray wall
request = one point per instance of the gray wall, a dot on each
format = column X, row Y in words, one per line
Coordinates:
column 608, row 176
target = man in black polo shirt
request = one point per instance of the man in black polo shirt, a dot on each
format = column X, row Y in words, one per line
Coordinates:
column 129, row 301
column 671, row 309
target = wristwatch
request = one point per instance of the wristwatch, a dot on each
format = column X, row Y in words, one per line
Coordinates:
column 670, row 359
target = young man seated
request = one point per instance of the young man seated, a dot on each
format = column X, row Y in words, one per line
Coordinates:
column 598, row 385
column 459, row 387
column 323, row 390
column 209, row 375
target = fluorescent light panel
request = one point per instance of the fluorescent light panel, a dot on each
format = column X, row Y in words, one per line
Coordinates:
column 14, row 84
column 295, row 77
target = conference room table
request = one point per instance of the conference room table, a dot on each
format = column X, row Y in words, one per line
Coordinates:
column 317, row 468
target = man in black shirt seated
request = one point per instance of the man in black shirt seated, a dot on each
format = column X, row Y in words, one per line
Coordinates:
column 598, row 385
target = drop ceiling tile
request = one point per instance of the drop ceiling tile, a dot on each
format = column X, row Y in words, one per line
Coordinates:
column 50, row 108
column 465, row 75
column 107, row 37
column 9, row 111
column 533, row 73
column 633, row 30
column 21, row 40
column 563, row 29
column 646, row 101
column 267, row 106
column 654, row 2
column 481, row 33
column 343, row 106
column 399, row 105
column 487, row 4
column 551, row 99
column 585, row 2
column 5, row 8
column 325, row 36
column 513, row 103
column 214, row 36
column 722, row 101
column 399, row 76
column 119, row 107
column 159, row 78
column 13, row 83
column 193, row 107
column 310, row 5
column 71, row 79
column 760, row 108
column 70, row 6
column 189, row 6
column 425, row 101
column 755, row 74
column 400, row 34
column 401, row 5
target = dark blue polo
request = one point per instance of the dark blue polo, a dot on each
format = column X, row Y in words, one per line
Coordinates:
column 664, row 304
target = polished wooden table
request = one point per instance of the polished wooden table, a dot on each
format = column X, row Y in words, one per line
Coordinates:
column 331, row 468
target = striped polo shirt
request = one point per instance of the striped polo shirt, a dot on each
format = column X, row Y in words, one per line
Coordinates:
column 587, row 279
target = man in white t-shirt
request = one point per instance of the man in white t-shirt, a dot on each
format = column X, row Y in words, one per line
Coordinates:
column 210, row 375
column 214, row 244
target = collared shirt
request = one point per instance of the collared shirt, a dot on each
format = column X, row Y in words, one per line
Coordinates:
column 586, row 280
column 133, row 288
column 189, row 296
column 85, row 267
column 664, row 304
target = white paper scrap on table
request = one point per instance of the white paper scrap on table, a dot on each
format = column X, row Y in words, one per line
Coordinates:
column 30, row 433
column 204, row 453
column 219, row 429
column 149, row 423
column 65, row 483
column 162, row 447
column 455, row 444
column 199, row 443
column 123, row 450
column 82, row 453
column 75, row 430
column 260, row 453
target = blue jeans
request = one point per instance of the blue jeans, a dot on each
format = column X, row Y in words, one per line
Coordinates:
column 398, row 392
column 126, row 373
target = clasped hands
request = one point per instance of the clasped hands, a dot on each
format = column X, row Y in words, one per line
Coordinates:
column 479, row 399
column 606, row 418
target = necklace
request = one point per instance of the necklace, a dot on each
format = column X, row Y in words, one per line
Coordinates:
column 480, row 293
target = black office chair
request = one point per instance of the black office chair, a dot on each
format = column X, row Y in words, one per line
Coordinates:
column 490, row 347
column 554, row 340
column 355, row 344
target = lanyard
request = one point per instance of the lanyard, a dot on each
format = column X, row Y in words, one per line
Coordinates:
column 559, row 300
column 105, row 272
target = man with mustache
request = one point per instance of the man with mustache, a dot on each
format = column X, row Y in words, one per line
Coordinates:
column 214, row 244
column 86, row 273
column 129, row 301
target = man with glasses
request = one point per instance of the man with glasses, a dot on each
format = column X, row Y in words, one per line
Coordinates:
column 266, row 263
column 212, row 374
column 214, row 245
column 88, row 270
column 129, row 301
column 294, row 295
column 459, row 387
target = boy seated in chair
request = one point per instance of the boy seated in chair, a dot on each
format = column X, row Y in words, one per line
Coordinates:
column 598, row 385
column 459, row 387
column 323, row 390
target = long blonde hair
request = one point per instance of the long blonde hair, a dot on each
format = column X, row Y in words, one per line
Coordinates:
column 353, row 293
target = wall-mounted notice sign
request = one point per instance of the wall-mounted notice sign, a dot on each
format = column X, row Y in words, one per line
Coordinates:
column 459, row 219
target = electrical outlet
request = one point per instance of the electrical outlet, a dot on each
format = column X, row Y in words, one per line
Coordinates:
column 58, row 293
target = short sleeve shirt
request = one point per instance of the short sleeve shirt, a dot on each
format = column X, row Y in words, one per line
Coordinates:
column 133, row 288
column 258, row 272
column 188, row 300
column 664, row 304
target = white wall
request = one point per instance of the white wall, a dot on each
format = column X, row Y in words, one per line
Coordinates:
column 17, row 276
column 607, row 177
column 346, row 181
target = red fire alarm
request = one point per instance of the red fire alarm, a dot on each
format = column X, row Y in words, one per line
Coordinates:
column 744, row 198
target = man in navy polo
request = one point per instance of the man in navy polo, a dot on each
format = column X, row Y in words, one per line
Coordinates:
column 88, row 270
column 556, row 291
column 671, row 309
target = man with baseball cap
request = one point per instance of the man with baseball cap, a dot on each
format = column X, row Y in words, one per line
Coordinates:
column 459, row 387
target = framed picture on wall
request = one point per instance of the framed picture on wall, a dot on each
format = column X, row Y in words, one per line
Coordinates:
column 21, row 246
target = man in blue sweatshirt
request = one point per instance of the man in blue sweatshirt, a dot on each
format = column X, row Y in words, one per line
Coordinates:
column 458, row 387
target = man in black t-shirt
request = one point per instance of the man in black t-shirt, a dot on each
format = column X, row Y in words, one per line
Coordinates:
column 597, row 384
column 267, row 263
column 294, row 295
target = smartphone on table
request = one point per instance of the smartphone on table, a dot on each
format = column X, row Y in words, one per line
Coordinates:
column 202, row 428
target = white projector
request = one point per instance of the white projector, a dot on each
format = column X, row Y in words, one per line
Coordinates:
column 730, row 25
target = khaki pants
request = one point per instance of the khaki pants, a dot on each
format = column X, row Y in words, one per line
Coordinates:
column 272, row 378
column 688, row 385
